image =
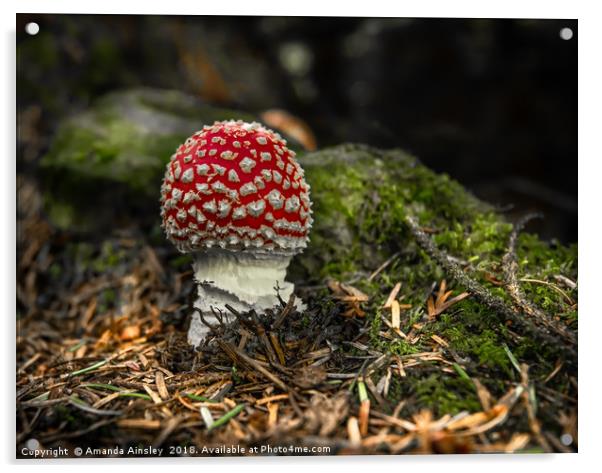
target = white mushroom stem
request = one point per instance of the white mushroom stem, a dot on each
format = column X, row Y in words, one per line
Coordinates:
column 244, row 280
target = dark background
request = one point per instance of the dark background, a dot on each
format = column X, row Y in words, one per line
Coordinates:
column 493, row 103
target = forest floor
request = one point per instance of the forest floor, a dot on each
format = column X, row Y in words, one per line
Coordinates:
column 103, row 363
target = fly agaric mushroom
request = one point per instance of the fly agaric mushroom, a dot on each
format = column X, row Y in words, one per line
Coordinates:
column 235, row 197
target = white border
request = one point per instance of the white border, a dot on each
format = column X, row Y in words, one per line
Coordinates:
column 589, row 218
column 382, row 8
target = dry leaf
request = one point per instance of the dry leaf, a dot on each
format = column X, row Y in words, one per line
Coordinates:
column 439, row 304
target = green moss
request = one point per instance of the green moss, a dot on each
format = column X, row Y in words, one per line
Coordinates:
column 402, row 347
column 110, row 256
column 396, row 347
column 119, row 153
column 361, row 196
column 479, row 239
column 541, row 262
column 441, row 393
column 447, row 395
column 484, row 348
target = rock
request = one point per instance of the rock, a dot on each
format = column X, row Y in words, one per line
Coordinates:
column 361, row 195
column 108, row 162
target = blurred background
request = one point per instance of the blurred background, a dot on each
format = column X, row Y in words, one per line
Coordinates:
column 493, row 103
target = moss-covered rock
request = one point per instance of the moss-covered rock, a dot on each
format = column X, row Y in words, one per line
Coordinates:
column 361, row 198
column 108, row 162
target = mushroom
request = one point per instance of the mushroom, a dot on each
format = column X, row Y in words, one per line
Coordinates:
column 234, row 196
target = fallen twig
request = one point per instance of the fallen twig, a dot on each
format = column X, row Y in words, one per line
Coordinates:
column 510, row 269
column 495, row 303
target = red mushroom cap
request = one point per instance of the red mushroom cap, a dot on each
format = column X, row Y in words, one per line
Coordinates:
column 235, row 185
